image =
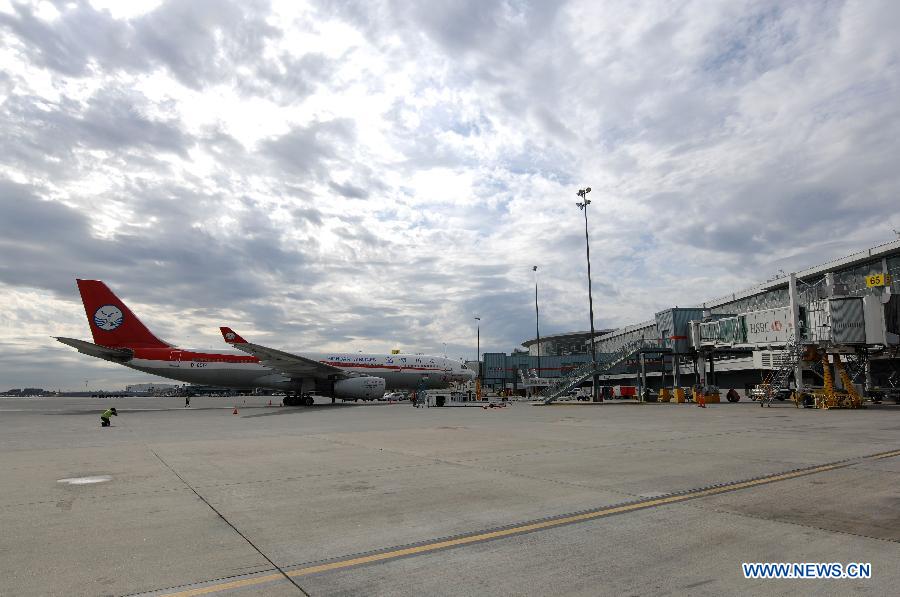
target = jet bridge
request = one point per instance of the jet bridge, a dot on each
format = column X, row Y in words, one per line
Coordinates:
column 841, row 321
column 811, row 327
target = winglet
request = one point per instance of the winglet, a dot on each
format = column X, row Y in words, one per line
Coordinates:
column 231, row 336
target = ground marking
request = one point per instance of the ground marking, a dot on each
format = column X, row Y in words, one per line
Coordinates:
column 469, row 539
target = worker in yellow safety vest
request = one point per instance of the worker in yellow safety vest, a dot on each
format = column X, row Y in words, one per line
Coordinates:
column 104, row 418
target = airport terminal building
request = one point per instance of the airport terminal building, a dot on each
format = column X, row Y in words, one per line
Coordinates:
column 849, row 306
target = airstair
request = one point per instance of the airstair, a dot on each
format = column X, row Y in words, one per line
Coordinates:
column 532, row 382
column 604, row 364
column 856, row 364
column 779, row 378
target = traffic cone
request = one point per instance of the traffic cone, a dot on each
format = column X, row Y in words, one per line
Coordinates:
column 270, row 403
column 701, row 402
column 234, row 412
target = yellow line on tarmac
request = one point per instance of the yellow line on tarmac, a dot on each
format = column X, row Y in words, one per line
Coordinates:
column 517, row 530
column 886, row 455
column 234, row 584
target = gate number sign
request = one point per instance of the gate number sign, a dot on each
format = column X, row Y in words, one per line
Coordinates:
column 878, row 280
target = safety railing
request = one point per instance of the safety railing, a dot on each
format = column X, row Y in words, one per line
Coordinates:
column 605, row 363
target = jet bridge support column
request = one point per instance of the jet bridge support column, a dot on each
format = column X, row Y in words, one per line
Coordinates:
column 794, row 297
column 868, row 375
column 700, row 361
column 701, row 368
column 642, row 377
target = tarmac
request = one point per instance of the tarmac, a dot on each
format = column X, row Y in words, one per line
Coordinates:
column 385, row 499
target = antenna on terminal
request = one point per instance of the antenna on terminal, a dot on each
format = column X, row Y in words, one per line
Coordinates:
column 893, row 228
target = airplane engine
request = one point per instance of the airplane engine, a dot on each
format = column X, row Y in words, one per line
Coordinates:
column 360, row 388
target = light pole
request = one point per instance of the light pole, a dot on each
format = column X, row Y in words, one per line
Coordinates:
column 478, row 378
column 582, row 205
column 478, row 345
column 537, row 321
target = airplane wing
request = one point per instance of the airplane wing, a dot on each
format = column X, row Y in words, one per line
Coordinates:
column 117, row 355
column 285, row 362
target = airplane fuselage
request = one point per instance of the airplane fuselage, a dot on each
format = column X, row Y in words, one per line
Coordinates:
column 239, row 370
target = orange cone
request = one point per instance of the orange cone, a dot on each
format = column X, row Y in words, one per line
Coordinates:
column 701, row 401
column 234, row 412
column 270, row 403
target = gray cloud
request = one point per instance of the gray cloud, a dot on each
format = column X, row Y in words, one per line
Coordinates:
column 52, row 136
column 42, row 241
column 71, row 42
column 166, row 260
column 288, row 79
column 113, row 120
column 200, row 43
column 305, row 151
column 348, row 190
column 307, row 214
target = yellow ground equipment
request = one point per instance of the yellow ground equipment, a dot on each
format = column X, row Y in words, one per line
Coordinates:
column 710, row 394
column 828, row 397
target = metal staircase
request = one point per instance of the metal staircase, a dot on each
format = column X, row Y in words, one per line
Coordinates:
column 856, row 364
column 605, row 363
column 780, row 377
column 532, row 383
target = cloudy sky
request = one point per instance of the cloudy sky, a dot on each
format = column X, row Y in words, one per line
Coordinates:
column 365, row 174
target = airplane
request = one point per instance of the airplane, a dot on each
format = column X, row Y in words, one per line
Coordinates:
column 120, row 337
column 326, row 372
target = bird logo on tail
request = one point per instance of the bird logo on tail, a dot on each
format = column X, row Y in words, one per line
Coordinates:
column 108, row 317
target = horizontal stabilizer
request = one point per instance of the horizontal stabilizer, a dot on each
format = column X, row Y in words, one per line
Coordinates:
column 117, row 355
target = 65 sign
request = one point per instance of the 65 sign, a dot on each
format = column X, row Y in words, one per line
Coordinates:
column 877, row 280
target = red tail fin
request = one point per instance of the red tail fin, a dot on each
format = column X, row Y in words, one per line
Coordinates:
column 231, row 336
column 112, row 323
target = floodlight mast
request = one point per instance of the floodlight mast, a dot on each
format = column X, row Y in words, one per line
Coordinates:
column 582, row 205
column 478, row 348
column 537, row 321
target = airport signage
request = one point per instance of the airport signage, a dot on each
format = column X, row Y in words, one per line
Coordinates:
column 772, row 325
column 877, row 280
